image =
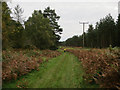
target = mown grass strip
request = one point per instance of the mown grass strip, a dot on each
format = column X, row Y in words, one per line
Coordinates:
column 64, row 71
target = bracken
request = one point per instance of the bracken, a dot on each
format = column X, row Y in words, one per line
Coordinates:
column 17, row 63
column 101, row 67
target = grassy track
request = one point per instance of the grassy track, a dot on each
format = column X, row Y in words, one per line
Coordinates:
column 64, row 71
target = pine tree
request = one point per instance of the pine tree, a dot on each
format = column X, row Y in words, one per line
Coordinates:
column 53, row 17
column 6, row 27
column 118, row 31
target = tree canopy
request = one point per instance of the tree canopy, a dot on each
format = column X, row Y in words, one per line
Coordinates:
column 105, row 33
column 41, row 29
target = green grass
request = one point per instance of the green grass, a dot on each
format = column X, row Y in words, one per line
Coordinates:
column 64, row 71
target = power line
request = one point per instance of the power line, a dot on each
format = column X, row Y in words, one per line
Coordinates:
column 83, row 30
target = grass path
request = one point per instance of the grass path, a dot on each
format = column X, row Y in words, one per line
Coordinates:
column 64, row 71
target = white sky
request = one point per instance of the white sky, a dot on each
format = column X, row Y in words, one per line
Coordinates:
column 71, row 12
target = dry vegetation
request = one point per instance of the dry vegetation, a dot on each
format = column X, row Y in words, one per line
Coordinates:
column 20, row 62
column 101, row 66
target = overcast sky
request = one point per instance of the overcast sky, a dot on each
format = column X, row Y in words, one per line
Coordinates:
column 71, row 12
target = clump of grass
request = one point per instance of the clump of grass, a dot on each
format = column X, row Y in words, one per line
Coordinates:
column 22, row 84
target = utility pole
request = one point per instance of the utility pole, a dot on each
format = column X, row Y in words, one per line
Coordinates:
column 83, row 30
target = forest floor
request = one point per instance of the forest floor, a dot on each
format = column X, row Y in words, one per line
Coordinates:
column 64, row 71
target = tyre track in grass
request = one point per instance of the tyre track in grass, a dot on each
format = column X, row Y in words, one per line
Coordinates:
column 49, row 77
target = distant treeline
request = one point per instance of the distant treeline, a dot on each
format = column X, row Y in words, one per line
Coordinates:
column 41, row 30
column 105, row 33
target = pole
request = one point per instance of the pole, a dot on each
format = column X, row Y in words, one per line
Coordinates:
column 83, row 35
column 83, row 31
